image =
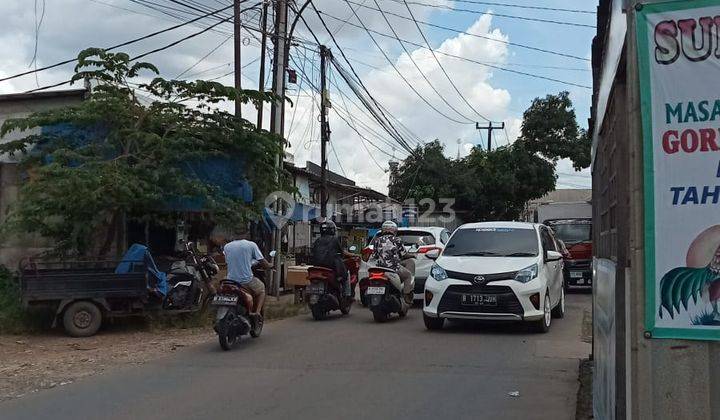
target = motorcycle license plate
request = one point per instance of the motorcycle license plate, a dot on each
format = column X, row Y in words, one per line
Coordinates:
column 224, row 300
column 315, row 289
column 375, row 290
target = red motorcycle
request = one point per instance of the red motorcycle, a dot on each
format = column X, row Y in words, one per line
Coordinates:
column 325, row 293
column 234, row 304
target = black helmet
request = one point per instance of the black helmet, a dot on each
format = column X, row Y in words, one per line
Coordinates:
column 328, row 228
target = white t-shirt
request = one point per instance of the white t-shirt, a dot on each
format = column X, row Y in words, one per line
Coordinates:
column 240, row 257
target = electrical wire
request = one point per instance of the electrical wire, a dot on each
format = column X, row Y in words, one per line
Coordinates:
column 401, row 75
column 417, row 25
column 518, row 6
column 525, row 18
column 489, row 38
column 536, row 76
column 113, row 47
column 204, row 57
column 337, row 158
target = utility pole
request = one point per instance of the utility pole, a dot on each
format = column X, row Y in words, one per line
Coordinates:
column 263, row 49
column 237, row 41
column 324, row 128
column 277, row 112
column 490, row 127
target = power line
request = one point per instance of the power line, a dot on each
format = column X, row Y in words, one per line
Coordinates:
column 170, row 45
column 338, row 159
column 489, row 38
column 404, row 79
column 518, row 6
column 410, row 57
column 132, row 41
column 469, row 59
column 203, row 57
column 529, row 19
column 417, row 25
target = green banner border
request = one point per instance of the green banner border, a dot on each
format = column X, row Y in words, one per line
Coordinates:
column 697, row 333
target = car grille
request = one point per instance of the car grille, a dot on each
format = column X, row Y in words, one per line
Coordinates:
column 578, row 264
column 488, row 277
column 507, row 302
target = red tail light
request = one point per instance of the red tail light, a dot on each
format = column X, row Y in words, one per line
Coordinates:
column 424, row 249
column 377, row 276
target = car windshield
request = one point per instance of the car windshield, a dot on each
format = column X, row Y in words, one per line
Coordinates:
column 571, row 233
column 492, row 242
column 410, row 238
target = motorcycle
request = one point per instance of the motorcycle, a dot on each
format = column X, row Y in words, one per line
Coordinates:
column 324, row 293
column 384, row 293
column 234, row 304
column 189, row 281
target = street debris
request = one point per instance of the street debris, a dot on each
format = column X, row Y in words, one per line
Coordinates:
column 514, row 394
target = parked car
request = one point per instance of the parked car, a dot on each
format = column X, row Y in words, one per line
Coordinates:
column 420, row 240
column 576, row 235
column 496, row 271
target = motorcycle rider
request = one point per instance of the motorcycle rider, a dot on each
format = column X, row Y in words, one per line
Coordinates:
column 327, row 252
column 389, row 252
column 241, row 255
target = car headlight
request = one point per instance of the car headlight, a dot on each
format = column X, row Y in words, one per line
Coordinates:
column 438, row 273
column 527, row 274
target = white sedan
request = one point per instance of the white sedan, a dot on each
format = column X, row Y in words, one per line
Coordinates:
column 496, row 271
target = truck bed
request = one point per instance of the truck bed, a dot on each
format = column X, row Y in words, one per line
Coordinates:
column 53, row 281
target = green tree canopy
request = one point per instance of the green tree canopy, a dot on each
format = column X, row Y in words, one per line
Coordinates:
column 137, row 163
column 496, row 185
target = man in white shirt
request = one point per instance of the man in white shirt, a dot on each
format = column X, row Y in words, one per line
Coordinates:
column 241, row 255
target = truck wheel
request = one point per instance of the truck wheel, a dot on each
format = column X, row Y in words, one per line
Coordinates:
column 82, row 319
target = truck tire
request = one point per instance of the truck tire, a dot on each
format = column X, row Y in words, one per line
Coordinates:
column 82, row 319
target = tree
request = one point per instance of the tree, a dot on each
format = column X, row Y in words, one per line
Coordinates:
column 113, row 156
column 550, row 128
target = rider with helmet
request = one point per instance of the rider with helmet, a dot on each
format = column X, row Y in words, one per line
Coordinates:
column 389, row 252
column 328, row 252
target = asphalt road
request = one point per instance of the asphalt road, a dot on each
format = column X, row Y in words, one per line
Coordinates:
column 342, row 368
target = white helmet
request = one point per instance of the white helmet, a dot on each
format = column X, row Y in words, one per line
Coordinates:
column 389, row 226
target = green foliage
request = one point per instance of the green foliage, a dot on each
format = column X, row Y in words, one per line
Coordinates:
column 550, row 128
column 135, row 165
column 496, row 185
column 13, row 319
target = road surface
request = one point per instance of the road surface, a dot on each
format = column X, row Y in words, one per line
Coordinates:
column 343, row 368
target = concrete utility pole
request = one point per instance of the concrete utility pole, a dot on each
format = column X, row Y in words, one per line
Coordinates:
column 490, row 127
column 277, row 112
column 237, row 43
column 263, row 49
column 324, row 128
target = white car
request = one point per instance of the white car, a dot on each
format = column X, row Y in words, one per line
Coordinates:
column 419, row 240
column 496, row 271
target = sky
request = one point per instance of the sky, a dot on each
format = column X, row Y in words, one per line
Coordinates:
column 434, row 96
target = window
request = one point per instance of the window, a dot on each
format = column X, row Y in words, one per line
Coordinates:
column 493, row 242
column 572, row 233
column 548, row 242
column 444, row 236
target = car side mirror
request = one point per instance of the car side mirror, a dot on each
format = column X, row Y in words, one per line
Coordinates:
column 553, row 256
column 433, row 254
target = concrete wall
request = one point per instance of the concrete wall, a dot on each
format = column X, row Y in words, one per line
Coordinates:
column 15, row 247
column 655, row 378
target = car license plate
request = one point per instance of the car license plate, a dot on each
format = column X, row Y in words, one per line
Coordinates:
column 576, row 274
column 375, row 290
column 479, row 300
column 224, row 300
column 315, row 288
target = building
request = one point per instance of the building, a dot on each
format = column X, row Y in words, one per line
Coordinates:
column 643, row 371
column 12, row 249
column 568, row 203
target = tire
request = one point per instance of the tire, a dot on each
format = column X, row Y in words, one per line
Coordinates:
column 225, row 337
column 318, row 313
column 345, row 309
column 363, row 300
column 379, row 315
column 82, row 319
column 559, row 310
column 543, row 325
column 433, row 324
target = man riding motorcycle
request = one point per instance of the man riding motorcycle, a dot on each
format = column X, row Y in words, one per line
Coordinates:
column 327, row 252
column 389, row 252
column 241, row 255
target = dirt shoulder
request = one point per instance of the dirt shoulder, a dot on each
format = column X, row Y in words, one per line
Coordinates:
column 30, row 363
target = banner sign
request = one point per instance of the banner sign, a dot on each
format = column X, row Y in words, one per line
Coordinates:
column 679, row 62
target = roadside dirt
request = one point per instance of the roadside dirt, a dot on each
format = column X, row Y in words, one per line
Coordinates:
column 30, row 363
